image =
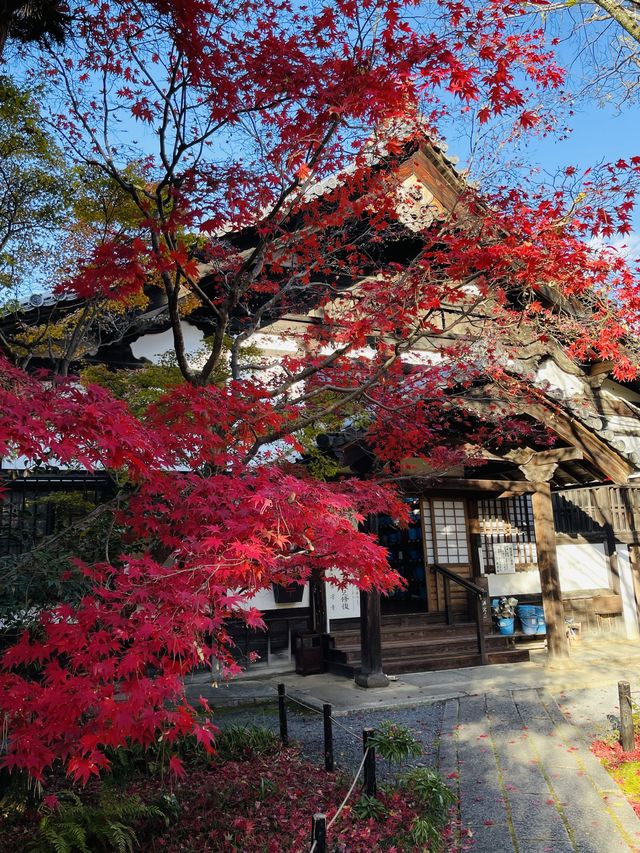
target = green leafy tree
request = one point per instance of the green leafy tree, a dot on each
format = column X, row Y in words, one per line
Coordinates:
column 32, row 21
column 33, row 189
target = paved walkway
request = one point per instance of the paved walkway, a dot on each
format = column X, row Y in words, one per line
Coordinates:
column 526, row 780
column 512, row 739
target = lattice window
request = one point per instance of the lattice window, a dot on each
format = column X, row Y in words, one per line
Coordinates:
column 508, row 520
column 450, row 532
column 33, row 508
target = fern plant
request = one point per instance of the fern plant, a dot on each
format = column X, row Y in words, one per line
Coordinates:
column 77, row 827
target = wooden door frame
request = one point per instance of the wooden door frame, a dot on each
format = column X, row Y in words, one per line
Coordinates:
column 466, row 501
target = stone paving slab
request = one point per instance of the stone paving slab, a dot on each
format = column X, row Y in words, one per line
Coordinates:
column 527, row 782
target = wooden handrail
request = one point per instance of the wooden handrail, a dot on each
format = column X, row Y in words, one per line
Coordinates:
column 467, row 584
column 480, row 602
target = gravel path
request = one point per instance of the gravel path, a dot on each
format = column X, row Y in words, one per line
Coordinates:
column 306, row 728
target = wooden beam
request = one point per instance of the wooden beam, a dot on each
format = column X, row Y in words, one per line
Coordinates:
column 611, row 465
column 606, row 460
column 556, row 454
column 459, row 484
column 548, row 568
column 601, row 367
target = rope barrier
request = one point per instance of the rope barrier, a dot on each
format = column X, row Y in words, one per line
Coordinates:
column 346, row 799
column 346, row 729
column 316, row 711
column 303, row 704
column 350, row 791
column 281, row 697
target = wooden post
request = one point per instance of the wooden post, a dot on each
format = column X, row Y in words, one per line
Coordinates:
column 447, row 600
column 328, row 738
column 479, row 613
column 282, row 711
column 370, row 673
column 318, row 609
column 548, row 566
column 626, row 716
column 319, row 833
column 370, row 786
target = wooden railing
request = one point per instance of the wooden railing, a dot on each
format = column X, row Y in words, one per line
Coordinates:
column 480, row 602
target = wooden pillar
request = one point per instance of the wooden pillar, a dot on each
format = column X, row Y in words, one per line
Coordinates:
column 548, row 567
column 317, row 600
column 370, row 673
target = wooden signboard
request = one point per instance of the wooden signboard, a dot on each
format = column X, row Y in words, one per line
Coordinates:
column 504, row 558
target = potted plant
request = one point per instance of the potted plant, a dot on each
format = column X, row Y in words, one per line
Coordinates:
column 504, row 611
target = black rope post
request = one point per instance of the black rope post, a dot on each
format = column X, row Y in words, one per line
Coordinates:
column 370, row 786
column 319, row 833
column 328, row 738
column 282, row 710
column 626, row 716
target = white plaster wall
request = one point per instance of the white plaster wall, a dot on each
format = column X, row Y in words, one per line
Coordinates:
column 272, row 344
column 153, row 347
column 629, row 607
column 15, row 463
column 518, row 583
column 583, row 566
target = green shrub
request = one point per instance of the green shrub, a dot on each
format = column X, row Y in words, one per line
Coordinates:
column 435, row 799
column 369, row 807
column 73, row 826
column 424, row 835
column 241, row 743
column 428, row 787
column 153, row 760
column 395, row 743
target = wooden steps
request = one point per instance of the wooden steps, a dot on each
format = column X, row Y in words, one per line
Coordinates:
column 419, row 642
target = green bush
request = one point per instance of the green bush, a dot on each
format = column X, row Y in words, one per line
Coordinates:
column 369, row 807
column 424, row 835
column 241, row 743
column 395, row 743
column 429, row 790
column 73, row 826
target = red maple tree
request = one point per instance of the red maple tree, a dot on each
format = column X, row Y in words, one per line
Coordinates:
column 269, row 173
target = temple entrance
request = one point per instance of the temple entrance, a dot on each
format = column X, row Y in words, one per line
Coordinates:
column 437, row 534
column 446, row 533
column 406, row 556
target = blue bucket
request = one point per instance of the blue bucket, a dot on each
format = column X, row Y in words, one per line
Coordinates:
column 532, row 619
column 505, row 626
column 529, row 623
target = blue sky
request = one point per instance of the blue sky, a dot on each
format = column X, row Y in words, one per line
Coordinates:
column 598, row 134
